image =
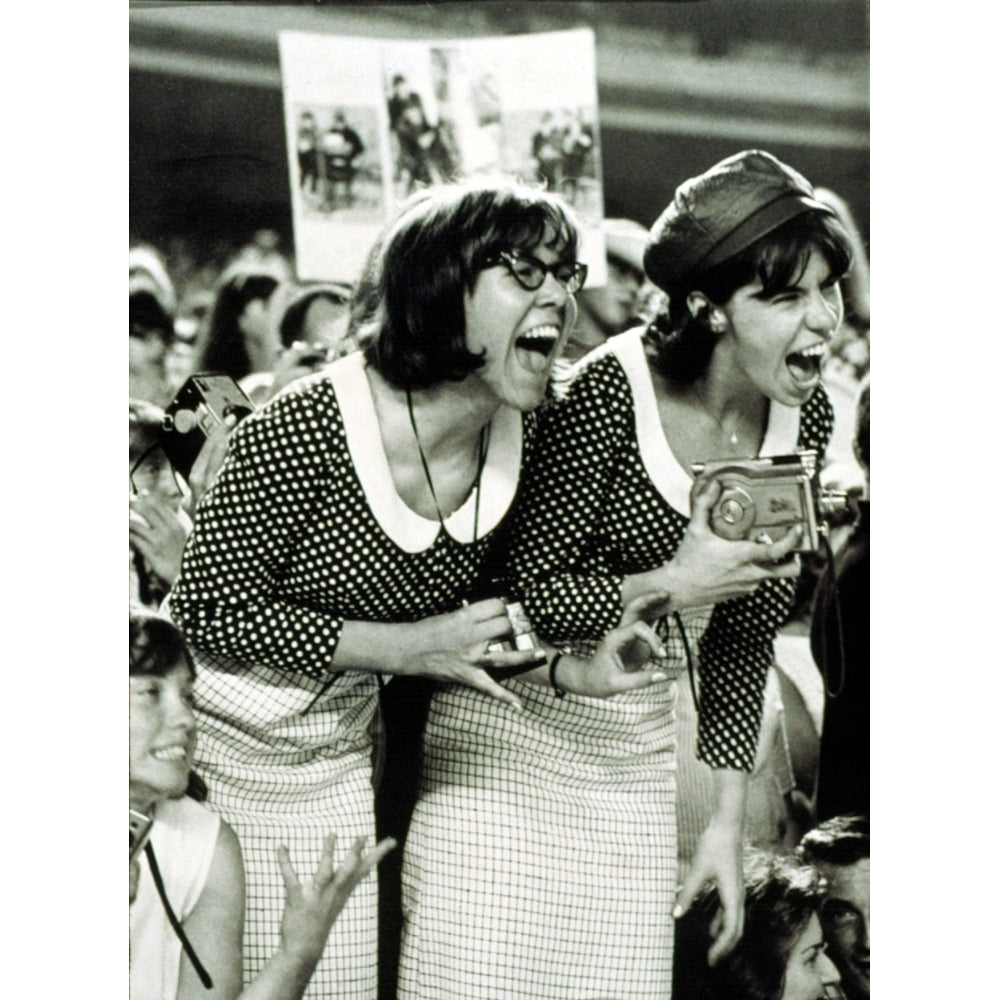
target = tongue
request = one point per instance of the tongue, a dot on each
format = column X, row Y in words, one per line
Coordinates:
column 534, row 360
column 804, row 367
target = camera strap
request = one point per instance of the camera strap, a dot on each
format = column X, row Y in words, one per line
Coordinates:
column 154, row 870
column 830, row 572
column 690, row 661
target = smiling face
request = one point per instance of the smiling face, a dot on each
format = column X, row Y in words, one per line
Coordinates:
column 780, row 343
column 809, row 970
column 161, row 735
column 520, row 332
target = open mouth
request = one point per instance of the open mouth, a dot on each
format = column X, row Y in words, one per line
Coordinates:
column 177, row 752
column 535, row 347
column 806, row 366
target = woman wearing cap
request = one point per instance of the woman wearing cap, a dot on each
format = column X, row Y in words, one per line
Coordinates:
column 355, row 515
column 751, row 263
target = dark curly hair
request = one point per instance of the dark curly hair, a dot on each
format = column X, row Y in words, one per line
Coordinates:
column 683, row 343
column 782, row 893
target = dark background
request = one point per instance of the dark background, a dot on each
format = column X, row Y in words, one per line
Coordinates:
column 207, row 150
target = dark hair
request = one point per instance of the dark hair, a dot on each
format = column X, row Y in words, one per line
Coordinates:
column 862, row 426
column 683, row 343
column 155, row 647
column 146, row 316
column 842, row 840
column 782, row 893
column 224, row 349
column 409, row 311
column 294, row 316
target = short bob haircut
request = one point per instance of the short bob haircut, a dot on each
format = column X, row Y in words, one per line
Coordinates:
column 409, row 309
column 781, row 895
column 683, row 343
column 155, row 645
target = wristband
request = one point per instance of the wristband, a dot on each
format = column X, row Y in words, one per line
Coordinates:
column 558, row 691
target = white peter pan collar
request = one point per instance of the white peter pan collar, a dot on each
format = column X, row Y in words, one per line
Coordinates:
column 668, row 476
column 410, row 531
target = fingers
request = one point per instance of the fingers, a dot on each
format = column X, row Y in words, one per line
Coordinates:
column 645, row 607
column 509, row 658
column 288, row 875
column 374, row 855
column 479, row 679
column 685, row 896
column 484, row 611
column 727, row 930
column 776, row 551
column 703, row 498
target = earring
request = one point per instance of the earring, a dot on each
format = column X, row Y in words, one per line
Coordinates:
column 716, row 323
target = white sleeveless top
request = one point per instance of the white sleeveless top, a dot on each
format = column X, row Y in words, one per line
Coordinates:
column 184, row 836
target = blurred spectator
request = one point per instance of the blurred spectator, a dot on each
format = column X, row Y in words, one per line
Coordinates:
column 187, row 886
column 151, row 333
column 310, row 322
column 158, row 525
column 147, row 270
column 781, row 955
column 840, row 639
column 841, row 850
column 612, row 308
column 239, row 339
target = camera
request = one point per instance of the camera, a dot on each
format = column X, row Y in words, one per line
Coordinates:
column 522, row 636
column 764, row 498
column 201, row 404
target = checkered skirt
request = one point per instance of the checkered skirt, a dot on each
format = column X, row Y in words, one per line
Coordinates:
column 281, row 772
column 541, row 859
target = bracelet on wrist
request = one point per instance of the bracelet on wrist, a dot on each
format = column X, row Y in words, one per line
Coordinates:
column 560, row 653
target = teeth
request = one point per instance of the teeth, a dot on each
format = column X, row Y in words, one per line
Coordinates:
column 170, row 753
column 540, row 333
column 816, row 351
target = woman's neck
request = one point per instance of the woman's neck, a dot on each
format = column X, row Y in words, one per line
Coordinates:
column 449, row 416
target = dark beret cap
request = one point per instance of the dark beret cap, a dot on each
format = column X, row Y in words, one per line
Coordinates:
column 719, row 213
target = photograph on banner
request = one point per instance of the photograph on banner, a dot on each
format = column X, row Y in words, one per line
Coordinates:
column 335, row 137
column 522, row 105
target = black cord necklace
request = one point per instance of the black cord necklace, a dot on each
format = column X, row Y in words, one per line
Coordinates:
column 484, row 444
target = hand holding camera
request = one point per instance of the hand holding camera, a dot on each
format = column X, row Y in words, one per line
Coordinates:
column 707, row 569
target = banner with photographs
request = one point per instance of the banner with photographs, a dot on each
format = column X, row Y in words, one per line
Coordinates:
column 370, row 121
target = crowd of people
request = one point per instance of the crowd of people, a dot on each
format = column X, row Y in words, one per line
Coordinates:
column 449, row 583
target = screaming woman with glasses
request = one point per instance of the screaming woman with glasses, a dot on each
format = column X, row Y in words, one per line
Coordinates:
column 352, row 531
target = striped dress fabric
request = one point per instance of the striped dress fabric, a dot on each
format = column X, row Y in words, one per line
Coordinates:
column 542, row 856
column 303, row 530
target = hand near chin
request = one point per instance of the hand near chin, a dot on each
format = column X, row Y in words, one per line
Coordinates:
column 158, row 532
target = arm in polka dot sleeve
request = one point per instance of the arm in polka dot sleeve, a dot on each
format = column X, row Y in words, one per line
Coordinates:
column 738, row 646
column 227, row 599
column 558, row 562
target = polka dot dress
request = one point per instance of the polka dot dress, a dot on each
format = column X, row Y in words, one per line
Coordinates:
column 541, row 859
column 302, row 531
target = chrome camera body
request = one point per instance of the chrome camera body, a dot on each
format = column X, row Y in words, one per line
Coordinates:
column 764, row 498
